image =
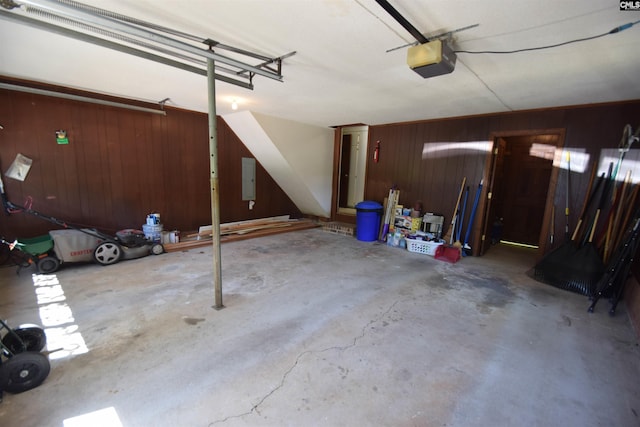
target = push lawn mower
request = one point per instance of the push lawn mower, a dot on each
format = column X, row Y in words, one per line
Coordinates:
column 23, row 366
column 75, row 244
column 47, row 252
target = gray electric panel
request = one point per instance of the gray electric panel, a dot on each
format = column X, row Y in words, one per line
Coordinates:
column 248, row 178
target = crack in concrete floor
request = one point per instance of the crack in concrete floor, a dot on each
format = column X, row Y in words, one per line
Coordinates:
column 363, row 333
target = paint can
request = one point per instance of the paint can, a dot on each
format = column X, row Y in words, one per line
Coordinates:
column 174, row 236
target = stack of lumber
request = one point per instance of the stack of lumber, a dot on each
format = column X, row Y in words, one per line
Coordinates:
column 239, row 231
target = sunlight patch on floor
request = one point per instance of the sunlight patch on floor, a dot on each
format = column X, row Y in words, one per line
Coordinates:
column 107, row 417
column 63, row 335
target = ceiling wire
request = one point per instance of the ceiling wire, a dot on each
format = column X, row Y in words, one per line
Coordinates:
column 496, row 96
column 382, row 21
column 550, row 24
column 613, row 31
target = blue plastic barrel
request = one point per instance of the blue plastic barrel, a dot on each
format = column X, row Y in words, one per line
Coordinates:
column 368, row 214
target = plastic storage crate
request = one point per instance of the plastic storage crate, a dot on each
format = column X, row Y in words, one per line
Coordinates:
column 423, row 247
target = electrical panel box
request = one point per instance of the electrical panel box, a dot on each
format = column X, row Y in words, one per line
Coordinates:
column 248, row 178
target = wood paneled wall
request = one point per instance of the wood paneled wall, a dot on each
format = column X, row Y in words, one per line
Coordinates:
column 121, row 165
column 435, row 179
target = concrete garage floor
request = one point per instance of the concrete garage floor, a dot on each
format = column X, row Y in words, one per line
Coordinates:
column 320, row 329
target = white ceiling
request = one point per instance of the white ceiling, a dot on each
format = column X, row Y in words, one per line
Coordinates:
column 341, row 73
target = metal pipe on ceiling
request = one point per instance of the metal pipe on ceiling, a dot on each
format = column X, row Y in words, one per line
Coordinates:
column 46, row 26
column 63, row 95
column 126, row 28
column 156, row 27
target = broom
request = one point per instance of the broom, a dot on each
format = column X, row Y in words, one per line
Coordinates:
column 460, row 221
column 449, row 234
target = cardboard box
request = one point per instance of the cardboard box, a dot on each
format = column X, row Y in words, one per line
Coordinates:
column 432, row 223
column 408, row 223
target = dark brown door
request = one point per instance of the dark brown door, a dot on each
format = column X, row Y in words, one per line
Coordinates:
column 345, row 165
column 523, row 195
column 520, row 175
column 491, row 230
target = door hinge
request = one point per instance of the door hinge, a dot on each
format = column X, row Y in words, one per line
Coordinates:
column 489, row 195
column 495, row 151
column 482, row 238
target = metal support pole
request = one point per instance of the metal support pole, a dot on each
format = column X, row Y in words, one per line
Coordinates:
column 215, row 200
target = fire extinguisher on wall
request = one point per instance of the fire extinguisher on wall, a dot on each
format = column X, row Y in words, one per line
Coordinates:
column 376, row 152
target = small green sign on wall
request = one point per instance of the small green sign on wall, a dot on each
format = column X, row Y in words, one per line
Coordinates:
column 61, row 137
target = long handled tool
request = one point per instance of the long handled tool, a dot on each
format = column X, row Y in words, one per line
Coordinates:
column 466, row 249
column 631, row 202
column 384, row 227
column 392, row 200
column 582, row 271
column 553, row 224
column 566, row 206
column 448, row 236
column 587, row 200
column 460, row 220
column 612, row 282
column 618, row 207
column 585, row 210
column 628, row 138
column 550, row 268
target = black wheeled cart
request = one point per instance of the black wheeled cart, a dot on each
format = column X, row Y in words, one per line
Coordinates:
column 22, row 365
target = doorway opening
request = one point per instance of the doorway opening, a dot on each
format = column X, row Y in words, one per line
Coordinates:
column 351, row 169
column 521, row 193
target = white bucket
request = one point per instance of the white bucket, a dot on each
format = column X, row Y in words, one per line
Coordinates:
column 170, row 237
column 152, row 232
column 174, row 236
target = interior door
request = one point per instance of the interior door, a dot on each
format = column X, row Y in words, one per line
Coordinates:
column 493, row 194
column 526, row 183
column 352, row 168
column 345, row 166
column 520, row 197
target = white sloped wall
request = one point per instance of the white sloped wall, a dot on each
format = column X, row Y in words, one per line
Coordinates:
column 298, row 156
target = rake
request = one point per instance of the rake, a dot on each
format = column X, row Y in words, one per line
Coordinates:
column 552, row 269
